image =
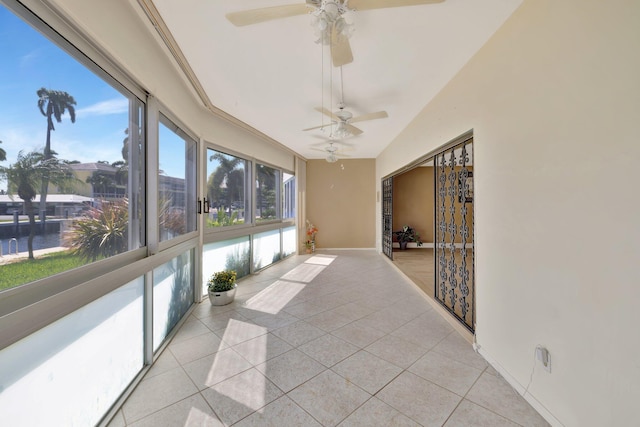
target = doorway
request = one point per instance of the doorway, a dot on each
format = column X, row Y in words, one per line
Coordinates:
column 435, row 197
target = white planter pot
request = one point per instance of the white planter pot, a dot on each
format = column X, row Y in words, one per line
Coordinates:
column 222, row 298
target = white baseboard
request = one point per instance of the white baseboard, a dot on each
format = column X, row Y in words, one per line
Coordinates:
column 542, row 410
column 346, row 249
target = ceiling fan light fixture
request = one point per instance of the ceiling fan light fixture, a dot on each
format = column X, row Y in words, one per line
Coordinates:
column 331, row 158
column 341, row 132
column 329, row 15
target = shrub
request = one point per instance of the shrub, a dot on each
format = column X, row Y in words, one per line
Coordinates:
column 102, row 233
column 222, row 281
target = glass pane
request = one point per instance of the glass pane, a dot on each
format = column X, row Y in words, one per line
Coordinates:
column 289, row 241
column 266, row 248
column 71, row 372
column 172, row 295
column 267, row 180
column 288, row 196
column 234, row 254
column 83, row 180
column 176, row 182
column 226, row 189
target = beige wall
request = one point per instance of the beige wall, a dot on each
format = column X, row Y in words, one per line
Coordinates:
column 413, row 201
column 341, row 200
column 554, row 101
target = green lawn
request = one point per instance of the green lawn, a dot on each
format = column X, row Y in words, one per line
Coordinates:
column 21, row 272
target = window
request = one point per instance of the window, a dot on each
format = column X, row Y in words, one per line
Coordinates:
column 267, row 193
column 266, row 249
column 172, row 294
column 233, row 254
column 227, row 189
column 86, row 358
column 288, row 196
column 176, row 181
column 84, row 166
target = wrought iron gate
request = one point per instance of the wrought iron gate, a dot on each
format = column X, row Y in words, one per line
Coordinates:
column 454, row 284
column 387, row 217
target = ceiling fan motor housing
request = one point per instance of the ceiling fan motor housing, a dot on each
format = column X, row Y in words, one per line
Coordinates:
column 344, row 115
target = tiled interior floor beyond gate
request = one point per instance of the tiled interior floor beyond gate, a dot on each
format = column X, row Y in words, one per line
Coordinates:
column 328, row 339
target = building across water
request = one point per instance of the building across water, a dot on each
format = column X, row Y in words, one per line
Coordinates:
column 58, row 205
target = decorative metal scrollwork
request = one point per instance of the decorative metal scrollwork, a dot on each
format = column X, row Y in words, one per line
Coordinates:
column 454, row 226
column 387, row 217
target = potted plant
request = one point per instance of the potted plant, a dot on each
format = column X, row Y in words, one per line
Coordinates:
column 406, row 235
column 308, row 246
column 222, row 287
column 310, row 243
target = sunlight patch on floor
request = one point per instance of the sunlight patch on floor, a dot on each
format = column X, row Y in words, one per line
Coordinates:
column 321, row 259
column 275, row 297
column 304, row 273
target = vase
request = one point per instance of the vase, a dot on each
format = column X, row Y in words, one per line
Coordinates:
column 403, row 246
column 222, row 298
column 313, row 246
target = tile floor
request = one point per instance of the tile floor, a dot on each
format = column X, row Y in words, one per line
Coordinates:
column 329, row 339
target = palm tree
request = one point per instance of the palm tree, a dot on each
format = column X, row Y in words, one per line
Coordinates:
column 52, row 104
column 26, row 174
column 224, row 176
column 101, row 184
column 266, row 194
column 3, row 154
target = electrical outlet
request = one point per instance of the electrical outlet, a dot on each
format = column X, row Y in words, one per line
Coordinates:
column 542, row 354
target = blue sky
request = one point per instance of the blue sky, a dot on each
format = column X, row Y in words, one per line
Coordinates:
column 30, row 61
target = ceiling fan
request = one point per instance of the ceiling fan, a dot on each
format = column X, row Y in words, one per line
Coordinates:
column 343, row 119
column 332, row 152
column 328, row 19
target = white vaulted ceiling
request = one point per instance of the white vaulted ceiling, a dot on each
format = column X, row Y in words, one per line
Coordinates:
column 271, row 75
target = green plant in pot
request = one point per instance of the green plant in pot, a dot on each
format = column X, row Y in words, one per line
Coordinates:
column 222, row 287
column 406, row 235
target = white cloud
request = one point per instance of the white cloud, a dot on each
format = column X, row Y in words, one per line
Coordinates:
column 30, row 58
column 104, row 108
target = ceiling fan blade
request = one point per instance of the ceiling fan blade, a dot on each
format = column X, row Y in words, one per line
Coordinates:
column 319, row 127
column 337, row 153
column 370, row 116
column 340, row 49
column 256, row 16
column 328, row 113
column 382, row 4
column 354, row 130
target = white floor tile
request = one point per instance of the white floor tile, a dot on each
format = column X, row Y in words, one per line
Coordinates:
column 260, row 349
column 157, row 393
column 211, row 370
column 377, row 413
column 239, row 396
column 445, row 372
column 225, row 366
column 396, row 350
column 419, row 399
column 283, row 412
column 290, row 370
column 469, row 414
column 367, row 371
column 497, row 395
column 329, row 398
column 190, row 412
column 299, row 333
column 328, row 349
